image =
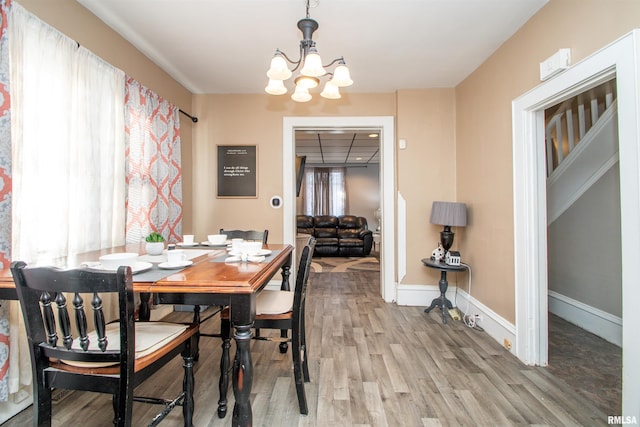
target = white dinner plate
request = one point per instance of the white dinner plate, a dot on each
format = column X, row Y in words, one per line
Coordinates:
column 215, row 245
column 139, row 267
column 167, row 266
column 261, row 252
column 185, row 245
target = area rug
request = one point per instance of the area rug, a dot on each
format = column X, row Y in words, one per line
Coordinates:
column 344, row 264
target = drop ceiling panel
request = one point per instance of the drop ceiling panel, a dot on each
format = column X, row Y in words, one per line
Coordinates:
column 338, row 147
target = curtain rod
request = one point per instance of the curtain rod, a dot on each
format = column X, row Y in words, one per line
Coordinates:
column 193, row 119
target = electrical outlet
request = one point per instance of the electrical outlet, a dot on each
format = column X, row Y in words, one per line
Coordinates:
column 479, row 318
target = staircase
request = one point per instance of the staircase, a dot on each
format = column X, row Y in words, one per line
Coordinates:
column 581, row 145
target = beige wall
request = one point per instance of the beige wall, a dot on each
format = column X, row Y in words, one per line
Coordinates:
column 426, row 172
column 483, row 128
column 73, row 20
column 425, row 169
column 256, row 119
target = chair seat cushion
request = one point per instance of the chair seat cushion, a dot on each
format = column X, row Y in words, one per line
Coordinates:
column 274, row 302
column 150, row 336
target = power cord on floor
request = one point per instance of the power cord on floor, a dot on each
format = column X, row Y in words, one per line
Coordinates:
column 470, row 320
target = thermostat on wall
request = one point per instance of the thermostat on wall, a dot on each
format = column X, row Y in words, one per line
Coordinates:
column 276, row 202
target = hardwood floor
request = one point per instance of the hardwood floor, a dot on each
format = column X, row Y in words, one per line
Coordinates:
column 371, row 364
column 588, row 363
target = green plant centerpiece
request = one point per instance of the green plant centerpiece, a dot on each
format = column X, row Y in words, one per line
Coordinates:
column 154, row 237
column 155, row 243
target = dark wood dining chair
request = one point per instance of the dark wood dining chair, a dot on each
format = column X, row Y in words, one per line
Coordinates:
column 284, row 310
column 114, row 358
column 246, row 234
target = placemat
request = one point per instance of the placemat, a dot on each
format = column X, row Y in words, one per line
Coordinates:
column 267, row 258
column 155, row 274
column 190, row 253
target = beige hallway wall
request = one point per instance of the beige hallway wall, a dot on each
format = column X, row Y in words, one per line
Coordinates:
column 483, row 129
column 249, row 120
column 425, row 170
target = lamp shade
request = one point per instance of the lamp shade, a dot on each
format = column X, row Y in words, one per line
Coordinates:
column 278, row 70
column 341, row 76
column 449, row 214
column 313, row 64
column 275, row 87
column 301, row 94
column 330, row 91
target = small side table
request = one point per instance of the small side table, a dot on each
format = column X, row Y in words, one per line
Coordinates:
column 377, row 237
column 442, row 300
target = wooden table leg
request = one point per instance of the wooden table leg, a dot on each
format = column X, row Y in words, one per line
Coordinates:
column 242, row 377
column 286, row 273
column 144, row 312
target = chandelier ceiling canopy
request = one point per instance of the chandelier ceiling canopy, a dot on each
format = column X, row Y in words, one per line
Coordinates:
column 311, row 68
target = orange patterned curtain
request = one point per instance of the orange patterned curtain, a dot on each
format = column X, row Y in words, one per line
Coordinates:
column 5, row 192
column 154, row 174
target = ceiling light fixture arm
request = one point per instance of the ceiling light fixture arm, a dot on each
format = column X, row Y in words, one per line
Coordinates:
column 296, row 63
column 337, row 60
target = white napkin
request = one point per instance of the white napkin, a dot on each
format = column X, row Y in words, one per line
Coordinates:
column 255, row 258
column 233, row 259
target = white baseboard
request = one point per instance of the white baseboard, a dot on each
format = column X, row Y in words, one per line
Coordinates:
column 17, row 402
column 495, row 325
column 596, row 321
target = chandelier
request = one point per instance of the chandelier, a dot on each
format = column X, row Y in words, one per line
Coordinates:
column 311, row 68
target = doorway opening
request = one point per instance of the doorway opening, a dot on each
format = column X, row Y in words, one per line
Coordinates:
column 341, row 176
column 620, row 61
column 384, row 126
column 583, row 236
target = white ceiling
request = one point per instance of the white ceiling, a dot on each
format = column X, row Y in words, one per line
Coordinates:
column 225, row 46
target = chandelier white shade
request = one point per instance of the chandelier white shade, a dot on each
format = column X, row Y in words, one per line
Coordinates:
column 275, row 87
column 311, row 69
column 279, row 69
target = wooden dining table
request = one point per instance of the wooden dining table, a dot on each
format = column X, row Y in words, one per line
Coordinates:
column 209, row 281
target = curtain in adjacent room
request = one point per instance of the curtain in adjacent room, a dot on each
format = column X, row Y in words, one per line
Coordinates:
column 154, row 174
column 5, row 193
column 325, row 191
column 68, row 157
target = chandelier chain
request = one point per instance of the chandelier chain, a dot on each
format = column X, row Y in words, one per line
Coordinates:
column 310, row 4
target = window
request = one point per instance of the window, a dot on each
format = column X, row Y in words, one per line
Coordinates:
column 325, row 192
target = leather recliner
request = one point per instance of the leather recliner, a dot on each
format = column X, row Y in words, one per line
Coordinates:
column 346, row 235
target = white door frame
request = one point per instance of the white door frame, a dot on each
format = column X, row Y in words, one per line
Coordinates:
column 387, row 183
column 620, row 60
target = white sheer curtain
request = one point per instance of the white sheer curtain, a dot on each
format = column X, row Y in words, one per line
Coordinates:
column 68, row 151
column 68, row 144
column 325, row 191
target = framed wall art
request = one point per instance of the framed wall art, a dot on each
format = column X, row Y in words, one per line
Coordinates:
column 238, row 171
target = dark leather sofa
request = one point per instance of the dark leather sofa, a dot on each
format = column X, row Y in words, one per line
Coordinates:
column 346, row 235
